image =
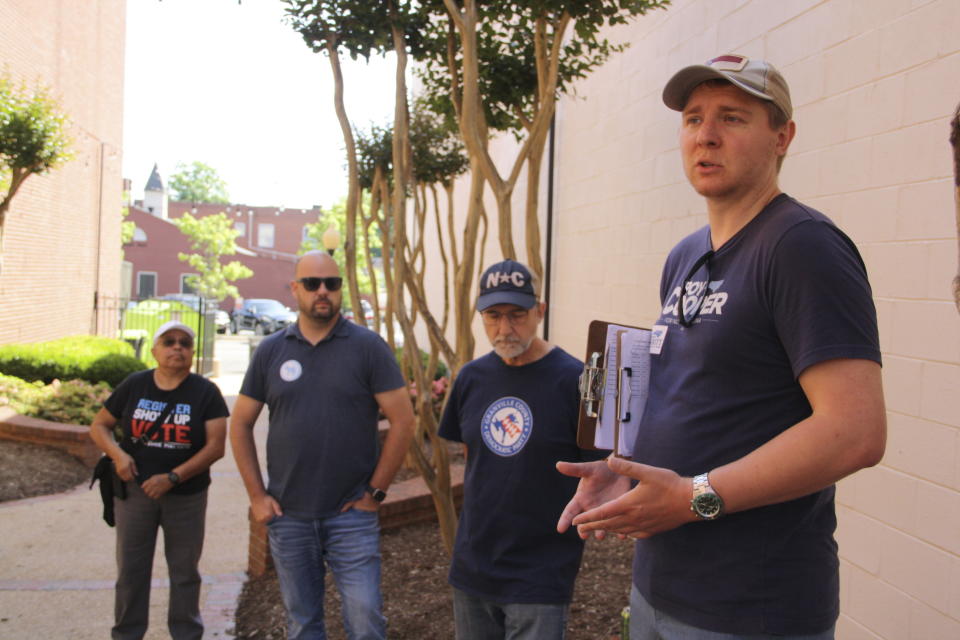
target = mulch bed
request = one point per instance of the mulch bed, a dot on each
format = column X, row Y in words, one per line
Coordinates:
column 417, row 598
column 28, row 470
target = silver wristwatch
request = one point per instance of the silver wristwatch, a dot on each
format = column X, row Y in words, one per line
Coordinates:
column 706, row 504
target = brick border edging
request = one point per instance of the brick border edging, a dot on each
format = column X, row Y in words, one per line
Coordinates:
column 407, row 502
column 71, row 438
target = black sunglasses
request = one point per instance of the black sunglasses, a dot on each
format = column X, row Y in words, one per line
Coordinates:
column 703, row 260
column 332, row 283
column 186, row 343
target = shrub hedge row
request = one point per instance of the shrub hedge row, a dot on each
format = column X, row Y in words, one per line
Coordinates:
column 90, row 358
column 71, row 402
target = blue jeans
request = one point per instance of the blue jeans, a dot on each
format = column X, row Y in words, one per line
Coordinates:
column 350, row 543
column 479, row 619
column 647, row 623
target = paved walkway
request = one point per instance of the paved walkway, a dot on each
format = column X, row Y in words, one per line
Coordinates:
column 57, row 566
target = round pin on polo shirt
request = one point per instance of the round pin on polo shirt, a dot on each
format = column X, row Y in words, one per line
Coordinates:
column 291, row 370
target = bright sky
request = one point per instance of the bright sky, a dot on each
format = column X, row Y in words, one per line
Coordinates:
column 231, row 85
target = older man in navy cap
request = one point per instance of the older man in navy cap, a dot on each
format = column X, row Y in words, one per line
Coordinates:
column 764, row 388
column 515, row 409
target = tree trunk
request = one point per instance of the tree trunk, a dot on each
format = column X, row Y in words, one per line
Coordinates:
column 955, row 142
column 353, row 184
column 437, row 474
column 532, row 224
column 367, row 220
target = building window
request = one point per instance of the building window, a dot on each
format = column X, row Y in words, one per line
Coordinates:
column 184, row 284
column 265, row 235
column 241, row 227
column 305, row 233
column 139, row 235
column 146, row 284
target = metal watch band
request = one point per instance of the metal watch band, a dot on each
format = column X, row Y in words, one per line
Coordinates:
column 705, row 503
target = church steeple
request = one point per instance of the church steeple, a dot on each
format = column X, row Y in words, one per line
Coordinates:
column 155, row 195
column 154, row 183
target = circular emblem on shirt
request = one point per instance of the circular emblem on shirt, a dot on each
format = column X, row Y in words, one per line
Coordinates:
column 290, row 370
column 506, row 426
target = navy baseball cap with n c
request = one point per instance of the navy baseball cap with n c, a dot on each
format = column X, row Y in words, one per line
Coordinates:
column 507, row 282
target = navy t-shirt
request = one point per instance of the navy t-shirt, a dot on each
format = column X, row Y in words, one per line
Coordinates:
column 517, row 422
column 138, row 404
column 786, row 292
column 322, row 445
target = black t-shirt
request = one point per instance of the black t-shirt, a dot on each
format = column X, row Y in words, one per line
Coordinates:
column 517, row 422
column 138, row 404
column 788, row 291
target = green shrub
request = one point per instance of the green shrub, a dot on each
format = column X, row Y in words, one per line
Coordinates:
column 73, row 402
column 113, row 368
column 90, row 358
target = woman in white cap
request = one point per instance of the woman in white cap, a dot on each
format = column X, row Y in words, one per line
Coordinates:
column 171, row 425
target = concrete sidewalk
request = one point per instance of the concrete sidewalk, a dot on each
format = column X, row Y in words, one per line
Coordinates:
column 57, row 564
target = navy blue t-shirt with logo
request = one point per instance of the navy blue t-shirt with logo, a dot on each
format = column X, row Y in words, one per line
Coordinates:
column 786, row 292
column 139, row 405
column 517, row 422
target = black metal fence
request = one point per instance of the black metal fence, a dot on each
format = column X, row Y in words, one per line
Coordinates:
column 136, row 320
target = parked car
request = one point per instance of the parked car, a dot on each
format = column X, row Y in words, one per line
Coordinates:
column 262, row 315
column 367, row 312
column 220, row 317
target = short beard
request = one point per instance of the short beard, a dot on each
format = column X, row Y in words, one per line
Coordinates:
column 321, row 316
column 509, row 347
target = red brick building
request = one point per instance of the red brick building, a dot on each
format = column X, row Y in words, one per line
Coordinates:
column 62, row 233
column 269, row 240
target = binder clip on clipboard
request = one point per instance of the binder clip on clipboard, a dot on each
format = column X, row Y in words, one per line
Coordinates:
column 613, row 387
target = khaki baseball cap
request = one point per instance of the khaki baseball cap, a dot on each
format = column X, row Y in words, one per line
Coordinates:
column 757, row 77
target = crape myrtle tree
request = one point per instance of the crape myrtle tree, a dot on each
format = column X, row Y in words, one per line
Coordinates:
column 33, row 139
column 198, row 182
column 358, row 28
column 212, row 237
column 361, row 28
column 374, row 151
column 539, row 38
column 501, row 66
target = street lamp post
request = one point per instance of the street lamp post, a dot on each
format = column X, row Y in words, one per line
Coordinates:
column 331, row 238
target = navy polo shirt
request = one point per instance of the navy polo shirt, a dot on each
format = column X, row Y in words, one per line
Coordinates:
column 322, row 444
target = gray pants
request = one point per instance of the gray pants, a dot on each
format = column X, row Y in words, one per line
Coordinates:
column 182, row 519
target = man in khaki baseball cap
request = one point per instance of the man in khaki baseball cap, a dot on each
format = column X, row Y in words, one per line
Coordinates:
column 764, row 391
column 759, row 78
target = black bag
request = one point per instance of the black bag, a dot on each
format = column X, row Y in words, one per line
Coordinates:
column 110, row 485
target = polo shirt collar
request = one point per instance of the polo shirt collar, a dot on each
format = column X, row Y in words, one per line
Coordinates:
column 340, row 330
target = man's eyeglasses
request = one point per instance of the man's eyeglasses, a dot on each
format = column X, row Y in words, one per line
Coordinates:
column 514, row 317
column 332, row 283
column 186, row 343
column 703, row 260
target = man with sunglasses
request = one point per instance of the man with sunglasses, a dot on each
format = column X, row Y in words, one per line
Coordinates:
column 174, row 427
column 515, row 409
column 765, row 388
column 324, row 380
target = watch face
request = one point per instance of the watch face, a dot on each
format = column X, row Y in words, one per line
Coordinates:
column 707, row 505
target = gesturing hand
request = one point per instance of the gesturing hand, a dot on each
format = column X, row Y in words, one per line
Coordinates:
column 598, row 485
column 660, row 501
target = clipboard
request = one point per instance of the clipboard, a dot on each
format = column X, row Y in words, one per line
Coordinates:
column 613, row 387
